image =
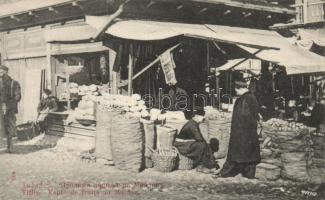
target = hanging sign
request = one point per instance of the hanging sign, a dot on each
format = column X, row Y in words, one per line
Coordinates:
column 168, row 66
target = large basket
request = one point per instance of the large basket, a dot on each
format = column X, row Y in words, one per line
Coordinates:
column 25, row 131
column 185, row 163
column 176, row 124
column 164, row 160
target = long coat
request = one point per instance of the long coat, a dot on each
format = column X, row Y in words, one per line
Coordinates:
column 10, row 93
column 244, row 144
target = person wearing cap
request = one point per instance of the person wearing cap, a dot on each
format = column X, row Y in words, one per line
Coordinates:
column 244, row 150
column 190, row 143
column 10, row 95
column 48, row 104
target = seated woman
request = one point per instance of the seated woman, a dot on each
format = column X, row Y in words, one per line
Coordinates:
column 48, row 104
column 191, row 144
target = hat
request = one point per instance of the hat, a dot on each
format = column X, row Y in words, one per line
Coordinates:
column 4, row 67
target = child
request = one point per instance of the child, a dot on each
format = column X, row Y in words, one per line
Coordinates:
column 48, row 104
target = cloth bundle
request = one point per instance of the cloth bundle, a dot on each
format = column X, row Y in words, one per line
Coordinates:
column 127, row 143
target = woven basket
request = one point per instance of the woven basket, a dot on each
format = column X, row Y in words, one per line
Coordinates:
column 164, row 160
column 185, row 163
column 127, row 143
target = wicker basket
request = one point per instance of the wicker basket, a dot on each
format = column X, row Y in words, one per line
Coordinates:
column 185, row 163
column 164, row 160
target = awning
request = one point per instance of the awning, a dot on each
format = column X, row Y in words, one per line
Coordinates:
column 253, row 65
column 70, row 33
column 296, row 60
column 154, row 30
column 315, row 35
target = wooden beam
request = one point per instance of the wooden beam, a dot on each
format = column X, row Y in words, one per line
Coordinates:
column 130, row 74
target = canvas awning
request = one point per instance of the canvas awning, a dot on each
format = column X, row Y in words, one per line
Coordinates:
column 242, row 64
column 156, row 30
column 273, row 47
column 296, row 60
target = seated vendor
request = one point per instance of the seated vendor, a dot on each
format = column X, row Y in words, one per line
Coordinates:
column 191, row 144
column 48, row 104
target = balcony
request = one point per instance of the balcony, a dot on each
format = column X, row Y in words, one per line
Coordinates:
column 309, row 11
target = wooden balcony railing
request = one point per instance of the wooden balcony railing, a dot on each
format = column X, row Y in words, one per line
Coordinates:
column 309, row 11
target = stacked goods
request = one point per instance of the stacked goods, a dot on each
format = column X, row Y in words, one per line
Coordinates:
column 165, row 137
column 85, row 109
column 132, row 105
column 219, row 124
column 127, row 142
column 316, row 167
column 294, row 166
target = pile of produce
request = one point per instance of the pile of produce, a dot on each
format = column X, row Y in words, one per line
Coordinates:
column 212, row 113
column 83, row 90
column 284, row 142
column 86, row 108
column 282, row 125
column 132, row 105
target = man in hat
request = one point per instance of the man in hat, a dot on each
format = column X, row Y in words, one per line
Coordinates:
column 10, row 95
column 190, row 143
column 244, row 150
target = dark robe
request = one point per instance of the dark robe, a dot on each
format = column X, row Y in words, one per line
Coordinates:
column 196, row 148
column 244, row 144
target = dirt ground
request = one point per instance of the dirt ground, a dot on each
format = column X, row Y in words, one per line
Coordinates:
column 51, row 168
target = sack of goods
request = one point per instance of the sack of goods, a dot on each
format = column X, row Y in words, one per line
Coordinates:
column 103, row 144
column 316, row 166
column 267, row 172
column 127, row 143
column 150, row 141
column 165, row 137
column 294, row 166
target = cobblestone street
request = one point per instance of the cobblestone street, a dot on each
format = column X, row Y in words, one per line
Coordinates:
column 39, row 171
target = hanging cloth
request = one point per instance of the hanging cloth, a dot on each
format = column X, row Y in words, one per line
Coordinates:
column 168, row 66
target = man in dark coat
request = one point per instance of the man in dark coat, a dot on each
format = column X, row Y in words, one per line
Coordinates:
column 10, row 95
column 191, row 144
column 244, row 150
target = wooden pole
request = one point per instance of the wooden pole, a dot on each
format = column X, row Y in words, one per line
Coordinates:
column 130, row 70
column 112, row 74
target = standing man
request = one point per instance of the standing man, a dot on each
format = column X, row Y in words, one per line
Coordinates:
column 9, row 97
column 244, row 150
